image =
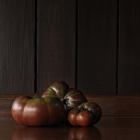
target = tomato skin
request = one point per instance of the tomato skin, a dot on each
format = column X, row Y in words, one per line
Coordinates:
column 95, row 109
column 57, row 88
column 56, row 110
column 77, row 118
column 72, row 117
column 70, row 97
column 88, row 113
column 37, row 111
column 84, row 118
column 73, row 99
column 18, row 107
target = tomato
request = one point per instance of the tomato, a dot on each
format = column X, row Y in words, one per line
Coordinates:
column 36, row 111
column 82, row 118
column 88, row 113
column 70, row 97
column 73, row 98
column 58, row 88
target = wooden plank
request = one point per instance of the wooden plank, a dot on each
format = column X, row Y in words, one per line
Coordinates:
column 16, row 46
column 97, row 46
column 115, row 106
column 118, row 105
column 129, row 56
column 56, row 42
column 109, row 128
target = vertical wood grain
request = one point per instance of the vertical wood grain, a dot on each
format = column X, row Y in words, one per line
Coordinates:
column 129, row 51
column 97, row 46
column 56, row 42
column 16, row 46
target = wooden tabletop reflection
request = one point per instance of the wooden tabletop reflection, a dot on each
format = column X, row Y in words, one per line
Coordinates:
column 109, row 128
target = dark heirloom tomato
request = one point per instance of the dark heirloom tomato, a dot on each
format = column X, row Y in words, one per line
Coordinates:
column 86, row 114
column 56, row 110
column 58, row 88
column 37, row 111
column 73, row 99
column 70, row 97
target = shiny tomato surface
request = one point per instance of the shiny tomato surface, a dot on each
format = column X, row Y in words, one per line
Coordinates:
column 88, row 113
column 57, row 88
column 36, row 111
column 73, row 98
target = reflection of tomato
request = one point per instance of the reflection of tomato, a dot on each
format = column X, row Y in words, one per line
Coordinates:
column 58, row 88
column 84, row 133
column 37, row 111
column 54, row 133
column 28, row 133
column 86, row 114
column 41, row 133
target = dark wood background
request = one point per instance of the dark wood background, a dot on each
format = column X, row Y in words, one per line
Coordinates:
column 91, row 44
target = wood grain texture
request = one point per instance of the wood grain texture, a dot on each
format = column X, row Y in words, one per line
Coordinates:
column 118, row 105
column 56, row 42
column 97, row 46
column 115, row 106
column 129, row 56
column 16, row 46
column 109, row 128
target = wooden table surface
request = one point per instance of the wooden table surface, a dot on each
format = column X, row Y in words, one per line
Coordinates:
column 109, row 128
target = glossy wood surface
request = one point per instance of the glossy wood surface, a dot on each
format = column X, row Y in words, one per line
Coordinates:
column 109, row 128
column 111, row 105
column 121, row 120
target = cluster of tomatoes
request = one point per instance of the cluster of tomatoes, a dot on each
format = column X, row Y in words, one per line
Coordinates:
column 58, row 104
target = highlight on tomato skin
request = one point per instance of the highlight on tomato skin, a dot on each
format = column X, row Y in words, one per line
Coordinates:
column 18, row 107
column 38, row 111
column 70, row 97
column 84, row 118
column 73, row 98
column 72, row 117
column 57, row 104
column 57, row 88
column 87, row 114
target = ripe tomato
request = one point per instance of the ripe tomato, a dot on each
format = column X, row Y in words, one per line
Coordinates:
column 58, row 88
column 86, row 114
column 36, row 111
column 70, row 97
column 73, row 99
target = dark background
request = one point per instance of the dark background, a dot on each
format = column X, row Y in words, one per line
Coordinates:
column 93, row 45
